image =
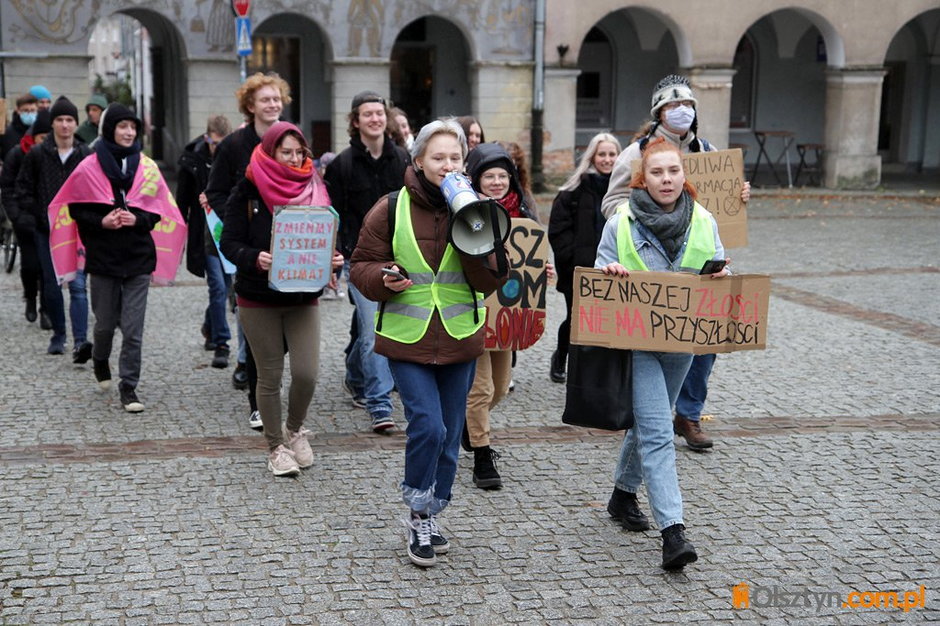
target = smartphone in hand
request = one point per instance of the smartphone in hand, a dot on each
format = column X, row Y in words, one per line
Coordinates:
column 393, row 273
column 713, row 267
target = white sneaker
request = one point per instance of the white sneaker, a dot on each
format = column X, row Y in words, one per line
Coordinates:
column 281, row 462
column 254, row 420
column 300, row 446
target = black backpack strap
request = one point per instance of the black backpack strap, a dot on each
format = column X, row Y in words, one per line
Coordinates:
column 392, row 206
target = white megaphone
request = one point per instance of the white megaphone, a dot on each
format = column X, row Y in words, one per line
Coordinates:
column 477, row 227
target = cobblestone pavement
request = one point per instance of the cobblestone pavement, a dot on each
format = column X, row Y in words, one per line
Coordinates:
column 823, row 477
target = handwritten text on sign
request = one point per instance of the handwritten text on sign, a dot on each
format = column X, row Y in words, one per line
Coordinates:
column 670, row 312
column 515, row 313
column 302, row 243
column 718, row 177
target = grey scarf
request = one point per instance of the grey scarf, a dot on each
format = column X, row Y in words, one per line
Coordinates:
column 669, row 228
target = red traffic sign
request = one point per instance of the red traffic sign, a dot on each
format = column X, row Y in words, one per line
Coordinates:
column 242, row 7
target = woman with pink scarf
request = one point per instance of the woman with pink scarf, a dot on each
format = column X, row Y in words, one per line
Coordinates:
column 280, row 172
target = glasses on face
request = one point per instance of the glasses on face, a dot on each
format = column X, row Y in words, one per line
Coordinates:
column 209, row 140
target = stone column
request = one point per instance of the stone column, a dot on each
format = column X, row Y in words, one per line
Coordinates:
column 211, row 91
column 351, row 76
column 853, row 107
column 63, row 74
column 502, row 100
column 712, row 89
column 561, row 103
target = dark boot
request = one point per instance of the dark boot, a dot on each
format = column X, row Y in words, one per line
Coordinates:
column 692, row 432
column 31, row 314
column 677, row 551
column 624, row 508
column 485, row 475
column 465, row 439
column 557, row 368
column 45, row 322
column 220, row 360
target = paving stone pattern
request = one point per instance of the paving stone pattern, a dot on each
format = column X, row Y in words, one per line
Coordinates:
column 823, row 477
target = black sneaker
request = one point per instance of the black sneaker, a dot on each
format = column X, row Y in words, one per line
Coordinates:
column 677, row 551
column 81, row 353
column 420, row 550
column 220, row 360
column 207, row 344
column 102, row 373
column 438, row 541
column 485, row 475
column 240, row 377
column 254, row 420
column 129, row 399
column 624, row 508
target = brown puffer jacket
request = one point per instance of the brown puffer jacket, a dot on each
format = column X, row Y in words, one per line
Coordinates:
column 374, row 251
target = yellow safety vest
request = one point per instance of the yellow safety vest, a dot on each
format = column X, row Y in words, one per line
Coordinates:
column 700, row 245
column 405, row 317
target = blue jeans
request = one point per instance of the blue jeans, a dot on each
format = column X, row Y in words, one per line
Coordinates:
column 215, row 318
column 648, row 453
column 363, row 364
column 52, row 300
column 435, row 401
column 694, row 390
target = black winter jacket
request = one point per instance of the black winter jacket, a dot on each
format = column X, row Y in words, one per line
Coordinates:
column 246, row 232
column 12, row 135
column 11, row 167
column 575, row 227
column 41, row 177
column 192, row 179
column 356, row 182
column 125, row 252
column 228, row 166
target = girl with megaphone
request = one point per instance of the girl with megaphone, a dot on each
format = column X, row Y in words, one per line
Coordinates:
column 430, row 324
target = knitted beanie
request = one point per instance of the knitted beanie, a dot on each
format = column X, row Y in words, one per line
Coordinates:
column 63, row 106
column 672, row 88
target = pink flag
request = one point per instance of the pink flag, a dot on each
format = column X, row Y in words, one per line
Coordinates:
column 149, row 192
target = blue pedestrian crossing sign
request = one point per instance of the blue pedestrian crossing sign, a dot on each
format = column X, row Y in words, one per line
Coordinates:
column 243, row 36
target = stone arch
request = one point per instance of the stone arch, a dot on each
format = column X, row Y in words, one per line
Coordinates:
column 909, row 137
column 299, row 50
column 429, row 71
column 794, row 49
column 164, row 110
column 644, row 45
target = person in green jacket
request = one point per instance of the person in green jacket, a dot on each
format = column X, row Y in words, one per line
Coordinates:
column 88, row 131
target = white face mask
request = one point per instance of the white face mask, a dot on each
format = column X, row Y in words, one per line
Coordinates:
column 680, row 118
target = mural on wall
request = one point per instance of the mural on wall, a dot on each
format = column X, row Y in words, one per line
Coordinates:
column 51, row 21
column 499, row 29
column 365, row 17
column 220, row 35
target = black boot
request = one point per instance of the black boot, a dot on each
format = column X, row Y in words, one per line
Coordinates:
column 465, row 439
column 31, row 314
column 624, row 508
column 677, row 551
column 557, row 368
column 485, row 475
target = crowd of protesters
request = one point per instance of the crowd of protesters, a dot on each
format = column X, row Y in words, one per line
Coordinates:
column 73, row 193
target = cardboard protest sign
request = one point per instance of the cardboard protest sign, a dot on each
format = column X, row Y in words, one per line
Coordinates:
column 718, row 177
column 302, row 242
column 515, row 313
column 670, row 311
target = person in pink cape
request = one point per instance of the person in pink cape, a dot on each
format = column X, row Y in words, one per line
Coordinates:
column 114, row 199
column 279, row 173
